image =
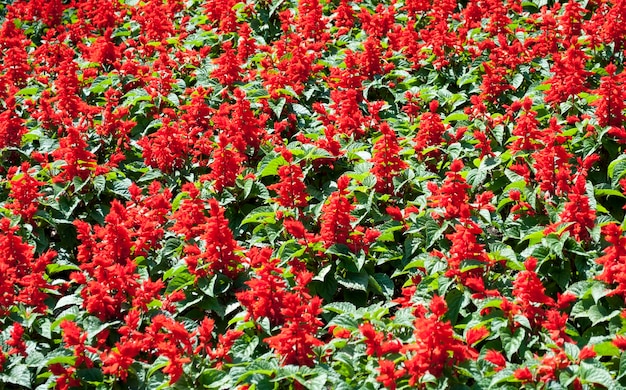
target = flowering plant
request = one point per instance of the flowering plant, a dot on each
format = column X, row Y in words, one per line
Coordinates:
column 312, row 194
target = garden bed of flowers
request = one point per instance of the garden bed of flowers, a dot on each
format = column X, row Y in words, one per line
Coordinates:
column 313, row 194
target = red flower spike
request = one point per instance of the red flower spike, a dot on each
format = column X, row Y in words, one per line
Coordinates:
column 220, row 250
column 23, row 275
column 476, row 334
column 496, row 358
column 16, row 341
column 389, row 375
column 336, row 219
column 523, row 374
column 438, row 306
column 290, row 187
column 387, row 162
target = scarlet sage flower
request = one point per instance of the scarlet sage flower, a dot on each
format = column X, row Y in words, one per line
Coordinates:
column 389, row 375
column 24, row 193
column 523, row 374
column 78, row 160
column 610, row 105
column 614, row 269
column 74, row 338
column 476, row 334
column 452, row 195
column 11, row 125
column 496, row 358
column 336, row 218
column 578, row 212
column 16, row 341
column 569, row 75
column 436, row 347
column 379, row 344
column 297, row 337
column 311, row 22
column 430, row 133
column 620, row 342
column 530, row 293
column 167, row 148
column 23, row 278
column 465, row 247
column 218, row 254
column 290, row 187
column 118, row 361
column 267, row 289
column 387, row 162
column 228, row 67
column 16, row 70
column 226, row 164
column 190, row 216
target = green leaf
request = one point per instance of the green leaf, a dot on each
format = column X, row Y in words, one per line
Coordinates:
column 456, row 116
column 316, row 382
column 454, row 300
column 340, row 307
column 384, row 284
column 18, row 375
column 179, row 281
column 606, row 348
column 617, row 169
column 214, row 379
column 355, row 281
column 598, row 314
column 90, row 375
column 345, row 321
column 589, row 373
column 28, row 91
column 512, row 342
column 68, row 300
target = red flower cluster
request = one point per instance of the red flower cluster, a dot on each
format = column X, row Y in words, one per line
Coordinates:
column 23, row 274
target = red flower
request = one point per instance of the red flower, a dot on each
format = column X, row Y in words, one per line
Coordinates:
column 476, row 334
column 452, row 195
column 614, row 268
column 290, row 188
column 530, row 293
column 389, row 374
column 226, row 164
column 219, row 253
column 167, row 148
column 267, row 290
column 16, row 341
column 430, row 133
column 297, row 337
column 118, row 361
column 569, row 75
column 523, row 374
column 620, row 342
column 553, row 169
column 496, row 358
column 610, row 106
column 578, row 212
column 586, row 352
column 11, row 125
column 24, row 193
column 23, row 276
column 387, row 162
column 228, row 67
column 373, row 339
column 336, row 218
column 436, row 347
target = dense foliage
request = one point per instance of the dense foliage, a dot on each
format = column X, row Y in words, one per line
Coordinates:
column 312, row 194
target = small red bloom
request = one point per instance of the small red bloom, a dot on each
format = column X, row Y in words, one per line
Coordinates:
column 389, row 374
column 523, row 374
column 496, row 358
